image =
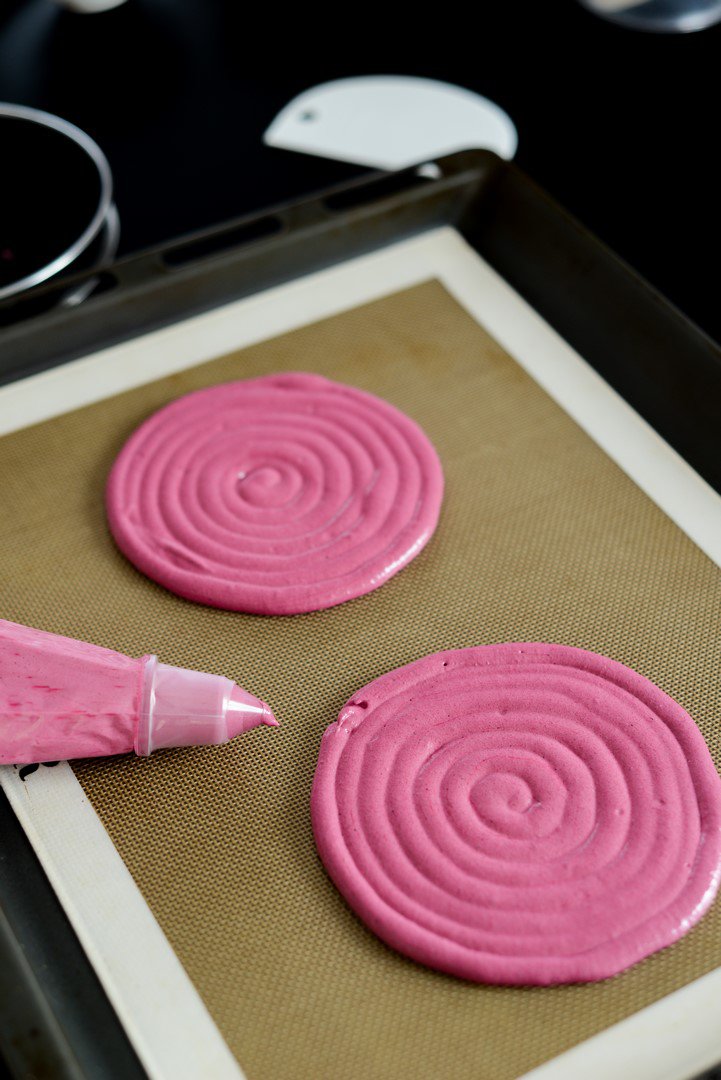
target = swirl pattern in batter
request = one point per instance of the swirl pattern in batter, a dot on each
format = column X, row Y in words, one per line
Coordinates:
column 519, row 814
column 276, row 495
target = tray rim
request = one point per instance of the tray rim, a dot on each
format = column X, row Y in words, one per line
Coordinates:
column 712, row 348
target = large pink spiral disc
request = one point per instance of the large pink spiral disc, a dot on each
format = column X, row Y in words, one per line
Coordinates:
column 522, row 814
column 276, row 495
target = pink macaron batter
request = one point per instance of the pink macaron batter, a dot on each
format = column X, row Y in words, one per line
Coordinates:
column 519, row 814
column 277, row 495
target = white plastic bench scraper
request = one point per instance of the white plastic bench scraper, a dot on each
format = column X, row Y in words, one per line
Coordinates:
column 390, row 122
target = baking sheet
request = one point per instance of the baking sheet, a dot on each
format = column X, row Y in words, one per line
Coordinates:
column 542, row 537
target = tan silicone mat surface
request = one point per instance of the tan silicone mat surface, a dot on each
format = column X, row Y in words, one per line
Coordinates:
column 541, row 537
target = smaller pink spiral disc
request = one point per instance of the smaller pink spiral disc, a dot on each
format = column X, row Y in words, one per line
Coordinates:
column 277, row 495
column 519, row 814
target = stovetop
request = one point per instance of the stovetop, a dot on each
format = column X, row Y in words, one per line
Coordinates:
column 619, row 126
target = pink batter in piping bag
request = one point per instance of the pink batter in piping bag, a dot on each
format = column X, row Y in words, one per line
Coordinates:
column 61, row 698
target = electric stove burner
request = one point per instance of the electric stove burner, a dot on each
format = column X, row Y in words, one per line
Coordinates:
column 58, row 215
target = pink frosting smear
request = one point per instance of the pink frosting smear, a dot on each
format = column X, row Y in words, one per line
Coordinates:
column 523, row 814
column 277, row 495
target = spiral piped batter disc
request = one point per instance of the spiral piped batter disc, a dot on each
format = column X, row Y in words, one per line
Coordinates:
column 520, row 813
column 276, row 495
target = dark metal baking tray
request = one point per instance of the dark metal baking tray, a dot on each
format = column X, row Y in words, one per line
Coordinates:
column 54, row 1017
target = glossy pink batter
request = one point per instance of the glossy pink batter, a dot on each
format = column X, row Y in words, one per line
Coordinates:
column 522, row 814
column 61, row 698
column 276, row 495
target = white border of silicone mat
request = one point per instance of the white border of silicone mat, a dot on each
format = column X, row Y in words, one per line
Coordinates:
column 162, row 1013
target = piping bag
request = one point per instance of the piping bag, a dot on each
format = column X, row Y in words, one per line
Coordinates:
column 61, row 698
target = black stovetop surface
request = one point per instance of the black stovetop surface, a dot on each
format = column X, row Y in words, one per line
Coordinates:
column 618, row 126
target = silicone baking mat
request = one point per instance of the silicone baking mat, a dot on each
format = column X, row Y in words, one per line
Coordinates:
column 541, row 537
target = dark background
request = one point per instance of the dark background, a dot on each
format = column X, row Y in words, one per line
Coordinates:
column 621, row 127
